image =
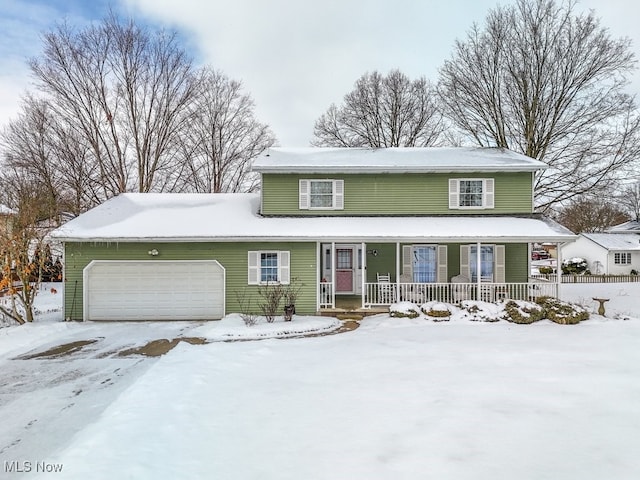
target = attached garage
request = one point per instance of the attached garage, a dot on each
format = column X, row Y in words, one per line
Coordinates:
column 154, row 290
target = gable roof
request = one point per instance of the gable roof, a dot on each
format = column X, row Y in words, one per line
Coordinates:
column 393, row 160
column 201, row 217
column 615, row 241
column 632, row 226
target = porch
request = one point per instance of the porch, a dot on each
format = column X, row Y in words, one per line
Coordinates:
column 375, row 275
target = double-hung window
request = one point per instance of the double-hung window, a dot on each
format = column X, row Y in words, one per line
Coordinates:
column 486, row 263
column 471, row 193
column 622, row 258
column 425, row 264
column 321, row 194
column 268, row 267
column 492, row 263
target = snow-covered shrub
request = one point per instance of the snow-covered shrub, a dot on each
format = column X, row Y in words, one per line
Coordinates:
column 574, row 266
column 246, row 313
column 545, row 270
column 271, row 294
column 403, row 310
column 562, row 312
column 477, row 311
column 436, row 311
column 519, row 311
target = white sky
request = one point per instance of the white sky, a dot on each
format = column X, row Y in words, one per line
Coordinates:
column 294, row 57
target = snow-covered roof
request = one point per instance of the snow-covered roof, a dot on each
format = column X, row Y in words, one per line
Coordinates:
column 397, row 160
column 632, row 226
column 233, row 217
column 615, row 241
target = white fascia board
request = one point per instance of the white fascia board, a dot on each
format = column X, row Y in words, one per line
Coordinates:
column 328, row 238
column 398, row 169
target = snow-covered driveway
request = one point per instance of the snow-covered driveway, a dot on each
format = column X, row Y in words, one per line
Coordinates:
column 46, row 399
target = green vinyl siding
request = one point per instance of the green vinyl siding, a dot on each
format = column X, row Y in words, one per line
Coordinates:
column 516, row 262
column 383, row 262
column 232, row 256
column 397, row 194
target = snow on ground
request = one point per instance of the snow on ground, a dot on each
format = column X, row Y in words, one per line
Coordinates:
column 396, row 398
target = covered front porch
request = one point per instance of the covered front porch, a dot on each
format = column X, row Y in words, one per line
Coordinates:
column 372, row 275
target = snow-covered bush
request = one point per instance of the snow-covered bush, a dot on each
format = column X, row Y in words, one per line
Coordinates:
column 437, row 311
column 478, row 311
column 404, row 310
column 519, row 311
column 574, row 266
column 545, row 270
column 562, row 312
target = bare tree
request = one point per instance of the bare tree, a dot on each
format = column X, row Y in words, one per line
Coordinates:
column 41, row 153
column 591, row 214
column 22, row 262
column 544, row 81
column 629, row 199
column 126, row 92
column 383, row 111
column 223, row 137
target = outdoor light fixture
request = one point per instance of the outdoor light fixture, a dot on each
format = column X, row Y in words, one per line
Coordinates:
column 153, row 252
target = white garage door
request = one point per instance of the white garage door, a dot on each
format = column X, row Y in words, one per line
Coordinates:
column 153, row 290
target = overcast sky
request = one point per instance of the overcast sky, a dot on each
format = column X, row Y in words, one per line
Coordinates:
column 295, row 57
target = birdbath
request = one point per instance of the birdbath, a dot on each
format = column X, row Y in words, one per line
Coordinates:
column 601, row 307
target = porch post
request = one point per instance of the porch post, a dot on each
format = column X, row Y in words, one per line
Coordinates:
column 558, row 268
column 333, row 274
column 398, row 271
column 478, row 270
column 363, row 272
column 318, row 275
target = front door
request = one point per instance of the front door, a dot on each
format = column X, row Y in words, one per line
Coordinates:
column 344, row 270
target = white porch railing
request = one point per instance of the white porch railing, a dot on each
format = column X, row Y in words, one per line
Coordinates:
column 326, row 295
column 381, row 294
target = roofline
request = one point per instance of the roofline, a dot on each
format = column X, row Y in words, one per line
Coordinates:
column 394, row 169
column 611, row 249
column 329, row 238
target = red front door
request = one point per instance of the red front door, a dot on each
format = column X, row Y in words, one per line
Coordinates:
column 344, row 270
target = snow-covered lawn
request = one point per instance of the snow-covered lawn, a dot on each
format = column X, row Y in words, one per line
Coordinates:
column 396, row 398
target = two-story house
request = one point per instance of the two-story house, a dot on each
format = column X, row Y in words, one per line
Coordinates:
column 349, row 226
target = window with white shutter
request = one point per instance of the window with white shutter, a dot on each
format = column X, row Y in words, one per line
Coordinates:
column 471, row 193
column 321, row 194
column 268, row 267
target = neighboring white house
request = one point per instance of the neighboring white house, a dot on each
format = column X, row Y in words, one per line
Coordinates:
column 606, row 253
column 632, row 226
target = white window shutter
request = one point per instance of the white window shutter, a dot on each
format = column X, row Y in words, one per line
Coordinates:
column 407, row 262
column 442, row 264
column 338, row 194
column 284, row 272
column 499, row 261
column 303, row 192
column 254, row 268
column 454, row 198
column 465, row 269
column 488, row 191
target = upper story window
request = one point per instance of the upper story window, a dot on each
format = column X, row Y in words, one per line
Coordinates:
column 471, row 193
column 321, row 194
column 622, row 258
